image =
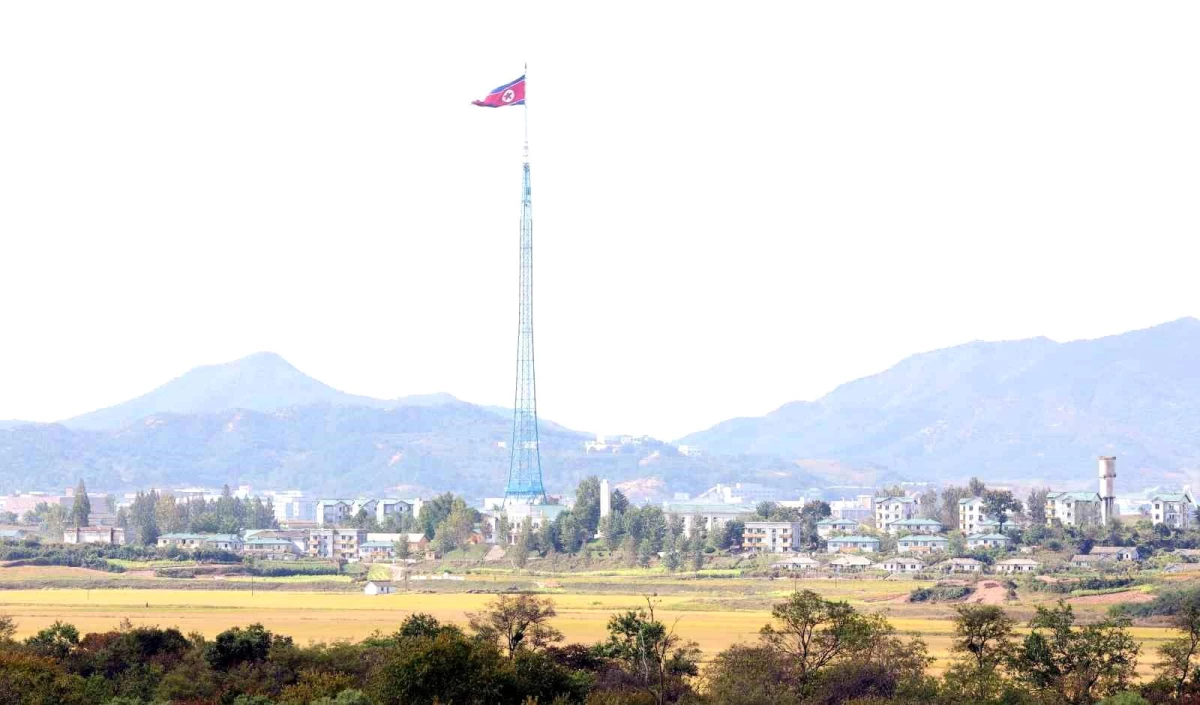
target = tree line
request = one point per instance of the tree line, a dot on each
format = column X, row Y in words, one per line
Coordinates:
column 155, row 513
column 814, row 651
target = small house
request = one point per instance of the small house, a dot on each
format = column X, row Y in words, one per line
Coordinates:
column 849, row 564
column 1016, row 565
column 903, row 564
column 960, row 565
column 798, row 563
column 379, row 587
column 1117, row 553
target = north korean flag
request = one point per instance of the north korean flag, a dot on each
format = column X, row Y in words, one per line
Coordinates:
column 509, row 94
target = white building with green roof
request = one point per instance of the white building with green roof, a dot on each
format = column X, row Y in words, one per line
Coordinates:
column 921, row 543
column 914, row 526
column 852, row 544
column 833, row 527
column 988, row 541
column 1073, row 508
column 1173, row 509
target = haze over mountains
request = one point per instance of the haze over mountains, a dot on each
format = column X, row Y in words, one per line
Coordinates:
column 1008, row 411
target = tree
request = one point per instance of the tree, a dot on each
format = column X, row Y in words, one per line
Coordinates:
column 652, row 653
column 1036, row 505
column 809, row 516
column 928, row 504
column 618, row 502
column 998, row 503
column 950, row 498
column 813, row 632
column 1178, row 655
column 587, row 504
column 8, row 629
column 402, row 548
column 983, row 639
column 236, row 646
column 81, row 508
column 433, row 512
column 517, row 622
column 56, row 641
column 1077, row 665
column 976, row 487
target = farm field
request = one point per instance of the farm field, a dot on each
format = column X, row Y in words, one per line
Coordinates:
column 714, row 613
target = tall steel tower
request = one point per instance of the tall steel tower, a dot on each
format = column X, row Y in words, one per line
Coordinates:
column 525, row 466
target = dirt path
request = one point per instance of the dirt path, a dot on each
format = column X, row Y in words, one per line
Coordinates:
column 988, row 592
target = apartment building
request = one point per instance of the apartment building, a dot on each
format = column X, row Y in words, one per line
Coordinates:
column 890, row 509
column 336, row 543
column 1173, row 509
column 970, row 513
column 771, row 536
column 1073, row 508
column 921, row 543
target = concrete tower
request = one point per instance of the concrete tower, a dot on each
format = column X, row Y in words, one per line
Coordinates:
column 605, row 499
column 1108, row 479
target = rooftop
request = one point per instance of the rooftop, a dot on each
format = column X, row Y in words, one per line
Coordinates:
column 988, row 537
column 916, row 522
column 923, row 538
column 853, row 539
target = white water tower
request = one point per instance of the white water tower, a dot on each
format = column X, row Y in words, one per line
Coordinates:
column 1108, row 480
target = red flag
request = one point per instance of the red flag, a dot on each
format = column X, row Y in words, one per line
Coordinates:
column 509, row 94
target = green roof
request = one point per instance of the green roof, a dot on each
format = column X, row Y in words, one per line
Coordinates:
column 853, row 539
column 923, row 538
column 268, row 542
column 902, row 500
column 964, row 500
column 916, row 522
column 1074, row 496
column 831, row 522
column 1171, row 497
column 693, row 508
column 989, row 537
column 376, row 544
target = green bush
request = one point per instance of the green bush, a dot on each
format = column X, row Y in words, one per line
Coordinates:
column 943, row 593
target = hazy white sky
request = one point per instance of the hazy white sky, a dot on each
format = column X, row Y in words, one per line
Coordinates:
column 732, row 209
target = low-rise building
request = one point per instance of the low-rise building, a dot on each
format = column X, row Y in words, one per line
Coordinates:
column 771, row 536
column 920, row 543
column 1073, row 508
column 832, row 527
column 1016, row 565
column 207, row 542
column 903, row 564
column 706, row 517
column 988, row 541
column 1116, row 553
column 379, row 587
column 915, row 525
column 890, row 509
column 13, row 534
column 112, row 535
column 849, row 564
column 798, row 563
column 392, row 508
column 852, row 544
column 859, row 509
column 960, row 565
column 377, row 550
column 270, row 549
column 333, row 512
column 297, row 537
column 1173, row 509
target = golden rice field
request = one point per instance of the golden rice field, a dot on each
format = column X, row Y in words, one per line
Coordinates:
column 715, row 619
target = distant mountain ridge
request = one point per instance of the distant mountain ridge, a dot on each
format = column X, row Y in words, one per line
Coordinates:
column 262, row 382
column 259, row 420
column 1022, row 409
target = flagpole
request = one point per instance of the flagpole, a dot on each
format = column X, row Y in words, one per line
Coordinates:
column 526, row 106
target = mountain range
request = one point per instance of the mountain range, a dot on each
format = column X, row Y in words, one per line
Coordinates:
column 1033, row 410
column 1018, row 411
